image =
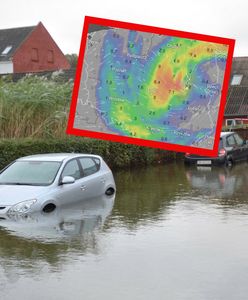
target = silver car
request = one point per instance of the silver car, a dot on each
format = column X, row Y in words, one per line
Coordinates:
column 81, row 218
column 46, row 181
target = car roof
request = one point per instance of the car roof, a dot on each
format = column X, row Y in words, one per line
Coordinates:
column 226, row 133
column 55, row 156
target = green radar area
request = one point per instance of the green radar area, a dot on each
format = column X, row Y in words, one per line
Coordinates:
column 151, row 87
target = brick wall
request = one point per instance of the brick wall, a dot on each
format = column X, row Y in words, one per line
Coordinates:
column 38, row 53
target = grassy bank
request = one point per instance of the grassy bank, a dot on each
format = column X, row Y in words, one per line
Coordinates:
column 33, row 107
column 117, row 155
column 33, row 119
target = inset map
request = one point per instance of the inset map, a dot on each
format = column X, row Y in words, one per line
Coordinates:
column 151, row 86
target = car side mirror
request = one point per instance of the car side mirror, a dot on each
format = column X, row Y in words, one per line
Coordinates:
column 68, row 180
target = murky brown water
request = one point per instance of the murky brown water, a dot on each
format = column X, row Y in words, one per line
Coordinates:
column 173, row 233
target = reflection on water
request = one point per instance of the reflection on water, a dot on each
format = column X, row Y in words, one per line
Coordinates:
column 221, row 182
column 30, row 241
column 144, row 194
column 74, row 221
column 171, row 233
column 226, row 186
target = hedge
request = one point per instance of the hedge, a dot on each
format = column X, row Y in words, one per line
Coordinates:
column 117, row 155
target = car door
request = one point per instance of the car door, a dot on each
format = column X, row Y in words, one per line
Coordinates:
column 93, row 180
column 72, row 192
column 243, row 147
column 232, row 147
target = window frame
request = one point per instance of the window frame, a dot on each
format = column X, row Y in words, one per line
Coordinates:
column 6, row 50
column 236, row 79
column 229, row 136
column 232, row 122
column 98, row 167
column 35, row 54
column 235, row 134
column 50, row 56
column 221, row 143
column 80, row 169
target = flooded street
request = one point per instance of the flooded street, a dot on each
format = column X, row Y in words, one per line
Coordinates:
column 171, row 233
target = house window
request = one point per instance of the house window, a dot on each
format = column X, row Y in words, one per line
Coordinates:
column 6, row 50
column 50, row 56
column 233, row 122
column 35, row 54
column 230, row 122
column 236, row 80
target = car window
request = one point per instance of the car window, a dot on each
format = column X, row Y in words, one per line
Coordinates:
column 97, row 162
column 230, row 141
column 238, row 139
column 89, row 165
column 220, row 144
column 71, row 169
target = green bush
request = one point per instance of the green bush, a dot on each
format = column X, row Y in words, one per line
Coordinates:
column 117, row 155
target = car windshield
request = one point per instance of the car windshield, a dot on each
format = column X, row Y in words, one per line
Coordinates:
column 30, row 173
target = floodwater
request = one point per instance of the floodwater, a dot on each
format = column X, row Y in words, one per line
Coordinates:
column 171, row 233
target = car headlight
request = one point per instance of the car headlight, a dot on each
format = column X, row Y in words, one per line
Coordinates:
column 21, row 207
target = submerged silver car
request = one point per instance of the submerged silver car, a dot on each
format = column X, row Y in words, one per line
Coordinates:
column 47, row 181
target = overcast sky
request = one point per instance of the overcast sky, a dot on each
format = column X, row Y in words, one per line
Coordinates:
column 64, row 19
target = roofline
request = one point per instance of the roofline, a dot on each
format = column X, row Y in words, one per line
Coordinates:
column 244, row 116
column 223, row 133
column 24, row 40
column 238, row 117
column 59, row 49
column 18, row 27
column 64, row 155
column 237, row 57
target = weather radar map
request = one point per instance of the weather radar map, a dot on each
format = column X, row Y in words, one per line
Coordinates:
column 150, row 86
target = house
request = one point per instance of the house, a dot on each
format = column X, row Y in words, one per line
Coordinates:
column 236, row 110
column 29, row 50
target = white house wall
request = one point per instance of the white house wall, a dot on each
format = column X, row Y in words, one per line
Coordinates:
column 6, row 67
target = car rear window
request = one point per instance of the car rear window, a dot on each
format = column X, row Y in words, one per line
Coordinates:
column 230, row 141
column 238, row 139
column 220, row 144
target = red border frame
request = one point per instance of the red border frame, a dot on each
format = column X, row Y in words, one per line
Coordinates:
column 137, row 141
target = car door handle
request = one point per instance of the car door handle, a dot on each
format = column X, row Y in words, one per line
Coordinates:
column 83, row 187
